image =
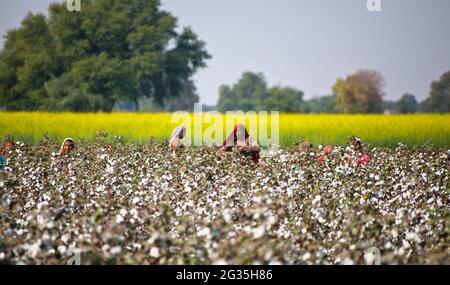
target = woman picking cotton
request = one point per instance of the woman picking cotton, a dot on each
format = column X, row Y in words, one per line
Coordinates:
column 67, row 146
column 240, row 141
column 325, row 154
column 356, row 145
column 6, row 150
column 175, row 142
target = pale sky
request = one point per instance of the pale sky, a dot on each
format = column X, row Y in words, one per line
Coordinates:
column 307, row 44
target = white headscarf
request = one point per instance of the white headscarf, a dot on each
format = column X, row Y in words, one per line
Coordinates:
column 176, row 132
column 62, row 146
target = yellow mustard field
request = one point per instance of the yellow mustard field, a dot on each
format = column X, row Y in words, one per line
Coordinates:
column 377, row 130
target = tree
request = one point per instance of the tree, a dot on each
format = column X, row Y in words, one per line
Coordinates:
column 94, row 83
column 111, row 51
column 25, row 64
column 407, row 104
column 360, row 92
column 439, row 100
column 422, row 107
column 320, row 104
column 185, row 102
column 285, row 99
column 249, row 93
column 389, row 106
column 227, row 99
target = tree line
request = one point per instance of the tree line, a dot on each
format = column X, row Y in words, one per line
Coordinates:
column 361, row 92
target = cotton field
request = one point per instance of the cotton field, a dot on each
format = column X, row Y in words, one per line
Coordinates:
column 143, row 204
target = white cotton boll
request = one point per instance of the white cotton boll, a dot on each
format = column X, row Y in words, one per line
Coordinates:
column 220, row 262
column 289, row 192
column 115, row 250
column 105, row 247
column 137, row 246
column 62, row 249
column 119, row 219
column 413, row 237
column 258, row 232
column 348, row 261
column 154, row 252
column 227, row 216
column 271, row 220
column 144, row 181
column 99, row 188
column 405, row 244
column 34, row 249
column 204, row 232
column 134, row 213
column 423, row 177
column 256, row 215
column 64, row 238
column 316, row 199
column 110, row 169
column 306, row 256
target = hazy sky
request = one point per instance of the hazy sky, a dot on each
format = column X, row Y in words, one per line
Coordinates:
column 306, row 43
